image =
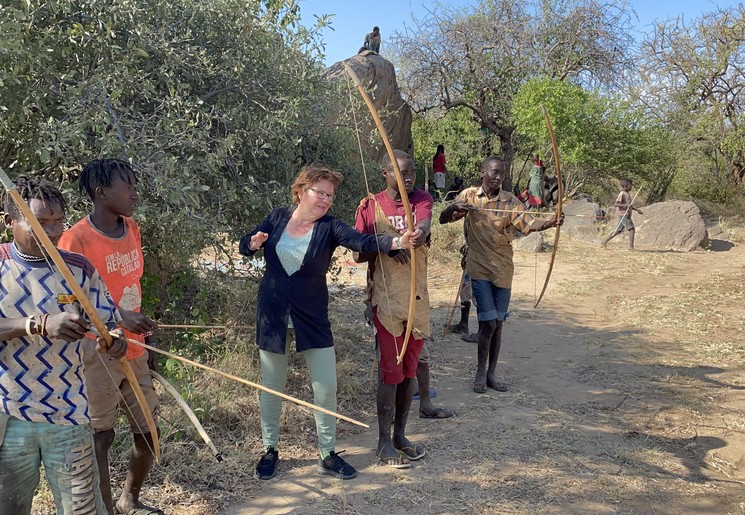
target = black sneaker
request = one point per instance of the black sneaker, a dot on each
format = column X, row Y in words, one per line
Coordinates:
column 266, row 468
column 335, row 466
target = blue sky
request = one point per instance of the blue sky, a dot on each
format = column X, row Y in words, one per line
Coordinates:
column 353, row 20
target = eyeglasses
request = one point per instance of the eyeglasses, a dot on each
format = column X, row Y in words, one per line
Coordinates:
column 322, row 195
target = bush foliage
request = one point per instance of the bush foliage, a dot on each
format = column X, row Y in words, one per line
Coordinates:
column 217, row 105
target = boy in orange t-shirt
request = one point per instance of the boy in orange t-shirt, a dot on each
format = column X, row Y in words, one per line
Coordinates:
column 110, row 239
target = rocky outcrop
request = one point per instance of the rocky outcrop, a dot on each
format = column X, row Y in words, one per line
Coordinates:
column 532, row 243
column 582, row 222
column 378, row 76
column 673, row 225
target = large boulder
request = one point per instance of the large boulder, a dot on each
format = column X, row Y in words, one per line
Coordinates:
column 378, row 77
column 582, row 220
column 532, row 243
column 673, row 225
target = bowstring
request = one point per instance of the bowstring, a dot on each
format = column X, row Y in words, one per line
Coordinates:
column 535, row 277
column 375, row 225
column 55, row 273
column 446, row 329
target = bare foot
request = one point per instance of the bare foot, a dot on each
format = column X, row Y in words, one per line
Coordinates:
column 479, row 384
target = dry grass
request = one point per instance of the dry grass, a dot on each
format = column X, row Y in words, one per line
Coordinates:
column 631, row 409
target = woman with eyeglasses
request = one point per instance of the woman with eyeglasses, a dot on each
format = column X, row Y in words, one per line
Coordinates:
column 298, row 243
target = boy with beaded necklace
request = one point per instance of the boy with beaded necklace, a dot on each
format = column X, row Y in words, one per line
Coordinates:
column 43, row 399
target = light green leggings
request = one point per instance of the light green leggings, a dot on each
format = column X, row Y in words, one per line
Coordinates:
column 322, row 366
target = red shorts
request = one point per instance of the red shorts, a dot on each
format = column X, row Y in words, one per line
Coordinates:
column 388, row 349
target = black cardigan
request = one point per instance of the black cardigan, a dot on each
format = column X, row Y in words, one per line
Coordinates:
column 303, row 295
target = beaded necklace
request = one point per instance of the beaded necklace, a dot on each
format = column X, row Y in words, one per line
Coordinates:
column 27, row 257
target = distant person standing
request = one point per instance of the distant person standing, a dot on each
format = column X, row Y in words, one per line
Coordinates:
column 429, row 185
column 536, row 185
column 438, row 167
column 372, row 41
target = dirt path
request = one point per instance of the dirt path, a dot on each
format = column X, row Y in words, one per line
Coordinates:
column 626, row 396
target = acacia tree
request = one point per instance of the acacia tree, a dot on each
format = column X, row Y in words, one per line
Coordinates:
column 477, row 58
column 694, row 80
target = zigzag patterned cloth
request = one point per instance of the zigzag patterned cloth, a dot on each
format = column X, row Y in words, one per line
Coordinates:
column 41, row 380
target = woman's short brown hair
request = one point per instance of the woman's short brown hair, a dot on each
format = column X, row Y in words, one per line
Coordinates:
column 310, row 175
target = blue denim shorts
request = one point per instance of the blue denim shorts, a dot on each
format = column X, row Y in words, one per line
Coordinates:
column 492, row 303
column 69, row 463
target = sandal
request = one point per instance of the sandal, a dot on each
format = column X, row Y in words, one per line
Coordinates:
column 479, row 388
column 397, row 462
column 414, row 453
column 437, row 413
column 500, row 387
column 141, row 510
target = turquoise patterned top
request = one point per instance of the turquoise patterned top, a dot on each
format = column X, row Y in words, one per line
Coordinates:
column 291, row 250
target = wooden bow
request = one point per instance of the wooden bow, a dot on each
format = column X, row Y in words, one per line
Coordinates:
column 85, row 303
column 189, row 412
column 404, row 200
column 560, row 184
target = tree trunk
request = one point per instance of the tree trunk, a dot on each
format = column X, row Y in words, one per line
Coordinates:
column 506, row 147
column 508, row 153
column 737, row 172
column 658, row 188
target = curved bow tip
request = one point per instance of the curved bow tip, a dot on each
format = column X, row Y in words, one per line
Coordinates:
column 404, row 199
column 559, row 208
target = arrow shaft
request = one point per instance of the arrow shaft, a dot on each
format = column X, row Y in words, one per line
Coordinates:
column 249, row 383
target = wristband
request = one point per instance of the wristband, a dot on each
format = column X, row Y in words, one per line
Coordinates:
column 397, row 242
column 43, row 327
column 28, row 325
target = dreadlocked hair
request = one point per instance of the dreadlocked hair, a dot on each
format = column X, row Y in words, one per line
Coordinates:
column 31, row 189
column 101, row 172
